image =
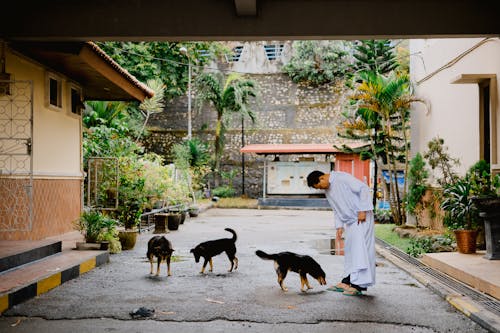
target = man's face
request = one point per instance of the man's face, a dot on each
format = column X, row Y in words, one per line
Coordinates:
column 323, row 184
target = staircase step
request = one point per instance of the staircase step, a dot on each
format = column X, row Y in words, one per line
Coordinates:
column 30, row 280
column 294, row 202
column 17, row 253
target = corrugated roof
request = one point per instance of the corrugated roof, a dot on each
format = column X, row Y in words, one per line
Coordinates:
column 297, row 148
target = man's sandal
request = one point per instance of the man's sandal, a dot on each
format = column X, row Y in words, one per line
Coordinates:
column 351, row 291
column 339, row 287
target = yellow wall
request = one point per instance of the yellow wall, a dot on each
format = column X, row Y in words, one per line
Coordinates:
column 56, row 133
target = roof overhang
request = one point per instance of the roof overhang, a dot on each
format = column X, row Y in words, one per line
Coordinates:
column 100, row 77
column 269, row 149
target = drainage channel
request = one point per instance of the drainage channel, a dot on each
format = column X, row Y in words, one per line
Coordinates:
column 487, row 302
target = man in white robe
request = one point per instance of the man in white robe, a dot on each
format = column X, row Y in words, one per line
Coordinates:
column 352, row 207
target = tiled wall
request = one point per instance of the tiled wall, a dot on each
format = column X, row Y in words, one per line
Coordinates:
column 56, row 204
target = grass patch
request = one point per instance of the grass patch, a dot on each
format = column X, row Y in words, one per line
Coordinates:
column 385, row 232
column 236, row 203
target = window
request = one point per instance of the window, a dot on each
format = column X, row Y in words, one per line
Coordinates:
column 273, row 51
column 54, row 91
column 76, row 101
column 236, row 54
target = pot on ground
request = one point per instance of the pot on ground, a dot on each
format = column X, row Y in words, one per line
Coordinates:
column 128, row 238
column 466, row 241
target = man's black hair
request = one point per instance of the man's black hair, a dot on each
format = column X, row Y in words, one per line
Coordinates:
column 313, row 177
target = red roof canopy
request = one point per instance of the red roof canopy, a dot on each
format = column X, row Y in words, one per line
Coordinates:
column 300, row 148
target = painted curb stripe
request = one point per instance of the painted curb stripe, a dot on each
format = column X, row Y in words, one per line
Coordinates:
column 37, row 288
column 4, row 303
column 48, row 283
column 87, row 266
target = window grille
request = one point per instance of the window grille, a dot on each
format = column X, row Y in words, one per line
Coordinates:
column 236, row 54
column 273, row 51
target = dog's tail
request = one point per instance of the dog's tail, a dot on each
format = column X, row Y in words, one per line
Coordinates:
column 233, row 232
column 264, row 255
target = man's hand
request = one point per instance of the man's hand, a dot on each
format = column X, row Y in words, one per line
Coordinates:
column 361, row 217
column 340, row 231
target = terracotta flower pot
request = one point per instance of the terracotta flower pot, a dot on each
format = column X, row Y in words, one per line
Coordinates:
column 466, row 241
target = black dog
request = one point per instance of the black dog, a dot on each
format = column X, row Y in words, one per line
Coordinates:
column 161, row 248
column 302, row 264
column 210, row 249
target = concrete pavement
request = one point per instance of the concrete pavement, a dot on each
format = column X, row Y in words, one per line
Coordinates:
column 248, row 299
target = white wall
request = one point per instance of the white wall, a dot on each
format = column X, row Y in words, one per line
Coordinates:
column 452, row 110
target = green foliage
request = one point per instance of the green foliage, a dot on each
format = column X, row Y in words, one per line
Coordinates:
column 223, row 192
column 482, row 184
column 439, row 159
column 94, row 225
column 383, row 215
column 161, row 60
column 417, row 179
column 192, row 156
column 377, row 56
column 318, row 62
column 228, row 95
column 460, row 211
column 419, row 246
column 382, row 105
column 422, row 245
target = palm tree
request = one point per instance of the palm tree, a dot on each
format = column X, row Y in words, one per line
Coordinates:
column 387, row 99
column 231, row 94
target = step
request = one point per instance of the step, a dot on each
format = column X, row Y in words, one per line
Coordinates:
column 294, row 202
column 472, row 269
column 17, row 253
column 30, row 280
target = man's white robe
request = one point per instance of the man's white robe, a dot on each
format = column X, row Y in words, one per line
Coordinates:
column 348, row 196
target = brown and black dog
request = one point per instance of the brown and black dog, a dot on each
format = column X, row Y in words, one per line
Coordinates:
column 161, row 248
column 211, row 248
column 302, row 264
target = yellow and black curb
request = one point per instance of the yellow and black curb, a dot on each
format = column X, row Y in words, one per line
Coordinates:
column 47, row 283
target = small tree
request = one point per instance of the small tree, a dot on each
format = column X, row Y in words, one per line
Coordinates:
column 231, row 94
column 417, row 179
column 318, row 62
column 439, row 159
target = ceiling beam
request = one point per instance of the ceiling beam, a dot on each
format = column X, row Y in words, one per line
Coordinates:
column 246, row 7
column 273, row 20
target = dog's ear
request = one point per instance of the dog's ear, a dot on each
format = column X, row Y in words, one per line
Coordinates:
column 191, row 251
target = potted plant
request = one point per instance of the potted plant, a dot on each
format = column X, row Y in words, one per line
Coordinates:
column 461, row 214
column 485, row 190
column 193, row 210
column 132, row 200
column 96, row 227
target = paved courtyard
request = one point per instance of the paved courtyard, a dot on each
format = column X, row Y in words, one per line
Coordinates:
column 247, row 299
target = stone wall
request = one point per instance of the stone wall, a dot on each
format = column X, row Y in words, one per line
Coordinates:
column 285, row 113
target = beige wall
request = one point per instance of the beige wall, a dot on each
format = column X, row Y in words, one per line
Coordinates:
column 452, row 110
column 57, row 191
column 56, row 133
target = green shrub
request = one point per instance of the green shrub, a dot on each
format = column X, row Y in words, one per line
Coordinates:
column 223, row 192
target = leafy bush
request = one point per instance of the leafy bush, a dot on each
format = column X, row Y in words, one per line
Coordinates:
column 383, row 215
column 94, row 225
column 223, row 192
column 318, row 62
column 417, row 179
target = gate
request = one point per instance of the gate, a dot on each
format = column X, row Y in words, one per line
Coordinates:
column 16, row 155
